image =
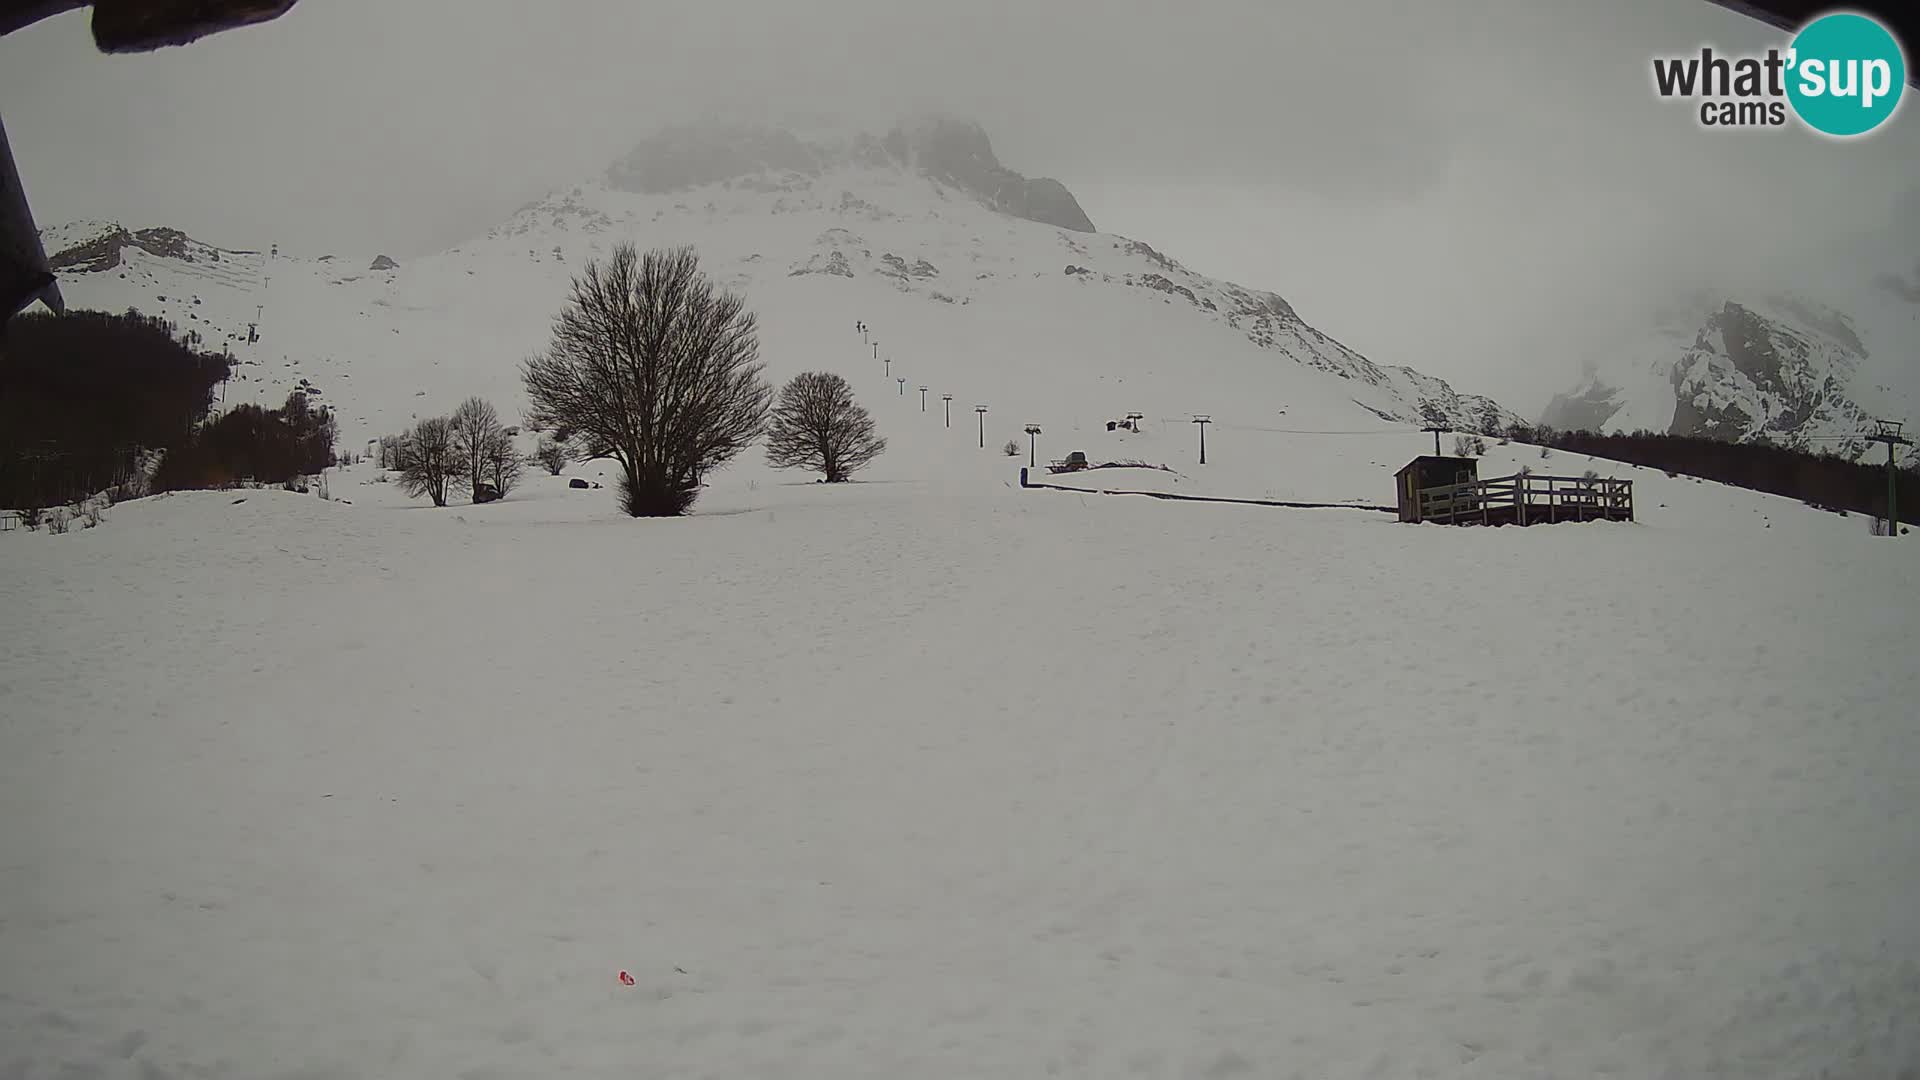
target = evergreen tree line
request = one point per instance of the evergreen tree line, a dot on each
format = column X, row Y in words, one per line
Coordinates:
column 86, row 395
column 83, row 394
column 247, row 442
column 1824, row 480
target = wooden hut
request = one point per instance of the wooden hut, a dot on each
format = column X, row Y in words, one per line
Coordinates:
column 1430, row 471
column 1448, row 491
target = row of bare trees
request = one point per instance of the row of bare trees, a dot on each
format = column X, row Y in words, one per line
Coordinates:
column 468, row 449
column 654, row 368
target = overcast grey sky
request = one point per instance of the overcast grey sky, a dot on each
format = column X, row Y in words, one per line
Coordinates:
column 1473, row 187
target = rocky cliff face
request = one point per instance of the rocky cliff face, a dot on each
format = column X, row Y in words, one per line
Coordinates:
column 1586, row 408
column 1749, row 376
column 105, row 248
column 953, row 152
column 957, row 152
column 1779, row 369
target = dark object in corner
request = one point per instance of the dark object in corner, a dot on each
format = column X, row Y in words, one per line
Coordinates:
column 131, row 26
column 24, row 274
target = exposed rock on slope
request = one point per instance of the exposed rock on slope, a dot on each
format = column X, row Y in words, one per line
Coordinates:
column 1787, row 371
column 104, row 250
column 954, row 152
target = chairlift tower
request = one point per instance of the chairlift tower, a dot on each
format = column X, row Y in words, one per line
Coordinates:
column 1888, row 431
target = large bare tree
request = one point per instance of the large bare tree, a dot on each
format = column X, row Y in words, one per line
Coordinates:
column 817, row 425
column 652, row 366
column 429, row 462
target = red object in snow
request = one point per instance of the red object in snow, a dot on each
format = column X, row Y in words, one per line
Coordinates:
column 626, row 979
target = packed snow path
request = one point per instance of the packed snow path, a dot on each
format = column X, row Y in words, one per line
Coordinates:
column 861, row 782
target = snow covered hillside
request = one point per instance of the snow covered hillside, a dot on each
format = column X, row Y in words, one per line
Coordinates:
column 1779, row 367
column 887, row 779
column 920, row 233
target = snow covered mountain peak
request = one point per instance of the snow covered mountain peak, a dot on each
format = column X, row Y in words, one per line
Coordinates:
column 1774, row 366
column 979, row 277
column 950, row 150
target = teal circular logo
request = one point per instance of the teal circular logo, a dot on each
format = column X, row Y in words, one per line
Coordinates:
column 1845, row 74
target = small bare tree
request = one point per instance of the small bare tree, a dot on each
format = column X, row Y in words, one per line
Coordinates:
column 818, row 426
column 393, row 451
column 551, row 455
column 501, row 464
column 654, row 367
column 430, row 463
column 475, row 427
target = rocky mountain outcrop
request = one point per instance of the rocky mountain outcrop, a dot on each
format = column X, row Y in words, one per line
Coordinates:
column 950, row 151
column 1782, row 370
column 104, row 250
column 1586, row 408
column 1749, row 376
column 957, row 152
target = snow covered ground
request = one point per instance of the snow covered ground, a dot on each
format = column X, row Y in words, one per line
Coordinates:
column 929, row 776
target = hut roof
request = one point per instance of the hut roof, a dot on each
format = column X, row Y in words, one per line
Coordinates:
column 1425, row 459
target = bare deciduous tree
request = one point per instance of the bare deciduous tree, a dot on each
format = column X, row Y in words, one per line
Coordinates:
column 475, row 427
column 501, row 465
column 818, row 426
column 653, row 367
column 430, row 463
column 392, row 451
column 551, row 455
